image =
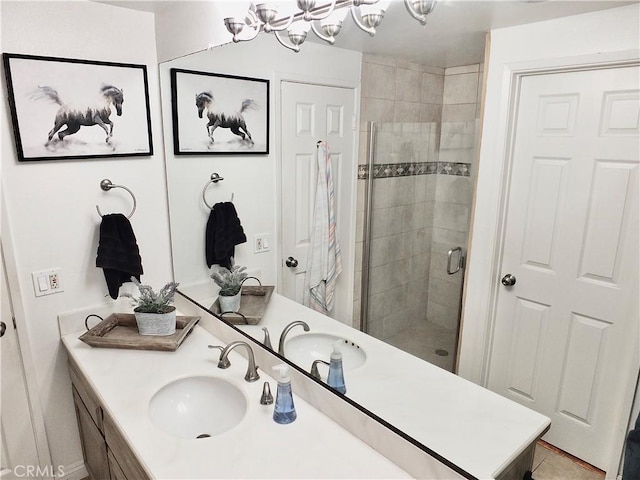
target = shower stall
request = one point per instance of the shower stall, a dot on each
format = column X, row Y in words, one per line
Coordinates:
column 418, row 187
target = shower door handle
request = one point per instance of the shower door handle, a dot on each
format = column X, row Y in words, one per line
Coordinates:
column 460, row 263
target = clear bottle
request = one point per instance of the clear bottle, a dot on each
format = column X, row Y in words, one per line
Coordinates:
column 284, row 411
column 335, row 379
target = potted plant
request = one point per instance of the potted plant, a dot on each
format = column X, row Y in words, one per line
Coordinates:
column 230, row 282
column 153, row 310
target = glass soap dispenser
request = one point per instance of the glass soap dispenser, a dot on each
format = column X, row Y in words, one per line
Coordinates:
column 335, row 379
column 284, row 411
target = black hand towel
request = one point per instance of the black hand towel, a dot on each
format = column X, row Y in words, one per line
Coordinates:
column 118, row 253
column 223, row 233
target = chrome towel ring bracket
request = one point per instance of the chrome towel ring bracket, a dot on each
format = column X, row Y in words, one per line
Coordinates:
column 106, row 185
column 215, row 178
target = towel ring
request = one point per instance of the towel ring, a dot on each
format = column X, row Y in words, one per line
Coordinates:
column 215, row 178
column 106, row 185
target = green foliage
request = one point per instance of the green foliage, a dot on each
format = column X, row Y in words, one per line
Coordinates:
column 229, row 280
column 150, row 301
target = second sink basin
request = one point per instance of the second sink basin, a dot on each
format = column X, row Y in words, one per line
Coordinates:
column 197, row 407
column 304, row 349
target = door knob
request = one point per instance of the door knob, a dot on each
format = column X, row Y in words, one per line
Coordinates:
column 3, row 328
column 291, row 262
column 508, row 280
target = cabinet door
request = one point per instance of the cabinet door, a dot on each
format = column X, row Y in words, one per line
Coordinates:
column 116, row 471
column 94, row 447
column 121, row 451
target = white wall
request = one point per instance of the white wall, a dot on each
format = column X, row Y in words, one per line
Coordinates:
column 188, row 26
column 253, row 179
column 50, row 205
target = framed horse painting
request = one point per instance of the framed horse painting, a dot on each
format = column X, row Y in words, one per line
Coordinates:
column 218, row 114
column 73, row 109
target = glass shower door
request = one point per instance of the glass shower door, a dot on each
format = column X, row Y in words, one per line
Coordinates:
column 408, row 298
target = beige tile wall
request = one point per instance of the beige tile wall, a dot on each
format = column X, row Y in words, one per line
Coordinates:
column 418, row 217
column 401, row 97
column 460, row 113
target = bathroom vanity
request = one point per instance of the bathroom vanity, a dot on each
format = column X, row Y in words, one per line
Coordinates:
column 469, row 431
column 113, row 390
column 107, row 454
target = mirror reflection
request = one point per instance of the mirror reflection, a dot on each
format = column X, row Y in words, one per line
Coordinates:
column 403, row 186
column 403, row 245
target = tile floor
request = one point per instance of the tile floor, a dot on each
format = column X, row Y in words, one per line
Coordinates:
column 550, row 463
column 424, row 339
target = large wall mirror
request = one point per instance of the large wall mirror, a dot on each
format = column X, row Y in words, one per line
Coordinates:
column 401, row 211
column 407, row 182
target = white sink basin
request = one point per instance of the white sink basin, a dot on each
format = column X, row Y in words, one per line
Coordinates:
column 305, row 348
column 197, row 407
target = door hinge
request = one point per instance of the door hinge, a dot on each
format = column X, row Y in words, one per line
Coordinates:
column 13, row 320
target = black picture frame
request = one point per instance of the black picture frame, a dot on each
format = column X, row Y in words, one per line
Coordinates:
column 61, row 108
column 219, row 114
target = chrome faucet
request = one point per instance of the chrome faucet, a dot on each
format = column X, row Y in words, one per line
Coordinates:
column 286, row 330
column 223, row 362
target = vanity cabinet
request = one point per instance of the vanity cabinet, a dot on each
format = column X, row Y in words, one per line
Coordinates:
column 106, row 454
column 94, row 448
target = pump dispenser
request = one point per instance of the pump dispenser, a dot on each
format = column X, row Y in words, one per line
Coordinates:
column 336, row 375
column 284, row 411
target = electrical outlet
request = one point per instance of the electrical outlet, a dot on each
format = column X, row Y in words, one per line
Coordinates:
column 261, row 243
column 47, row 282
column 54, row 281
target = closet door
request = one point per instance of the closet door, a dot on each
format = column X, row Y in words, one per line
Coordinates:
column 567, row 315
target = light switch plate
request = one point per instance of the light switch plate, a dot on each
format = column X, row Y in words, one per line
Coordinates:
column 261, row 243
column 47, row 282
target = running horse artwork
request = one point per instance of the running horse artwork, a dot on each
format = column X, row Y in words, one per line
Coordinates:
column 232, row 120
column 86, row 116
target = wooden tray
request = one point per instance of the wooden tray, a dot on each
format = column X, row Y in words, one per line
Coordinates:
column 119, row 330
column 252, row 306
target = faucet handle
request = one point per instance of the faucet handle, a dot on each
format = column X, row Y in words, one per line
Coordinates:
column 314, row 368
column 221, row 363
column 267, row 339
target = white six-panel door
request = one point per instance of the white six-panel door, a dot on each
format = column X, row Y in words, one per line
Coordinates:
column 570, row 322
column 311, row 113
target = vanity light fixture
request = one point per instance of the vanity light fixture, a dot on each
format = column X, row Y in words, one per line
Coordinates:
column 325, row 18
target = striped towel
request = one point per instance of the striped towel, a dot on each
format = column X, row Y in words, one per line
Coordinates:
column 324, row 261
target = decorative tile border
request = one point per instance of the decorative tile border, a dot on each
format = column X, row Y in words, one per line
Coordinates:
column 388, row 170
column 454, row 168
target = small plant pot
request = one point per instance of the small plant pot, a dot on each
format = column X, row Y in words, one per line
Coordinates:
column 160, row 324
column 230, row 303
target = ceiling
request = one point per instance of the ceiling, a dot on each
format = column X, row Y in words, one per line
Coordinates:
column 454, row 34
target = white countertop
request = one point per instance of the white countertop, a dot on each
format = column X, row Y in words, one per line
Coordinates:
column 313, row 446
column 470, row 426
